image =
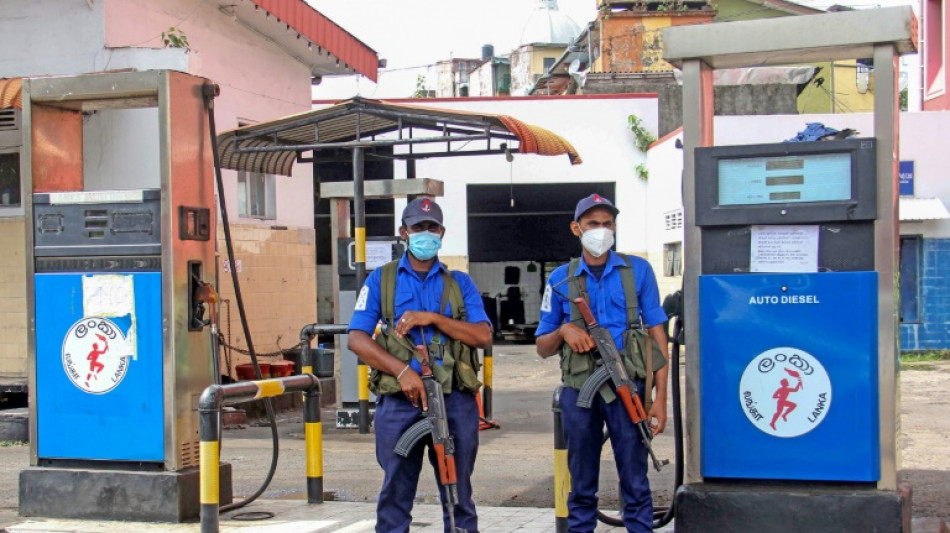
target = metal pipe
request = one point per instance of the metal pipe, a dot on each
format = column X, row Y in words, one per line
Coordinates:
column 359, row 234
column 562, row 476
column 209, row 413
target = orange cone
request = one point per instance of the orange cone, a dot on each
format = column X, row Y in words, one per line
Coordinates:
column 484, row 423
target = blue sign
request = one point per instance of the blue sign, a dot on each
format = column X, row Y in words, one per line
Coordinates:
column 99, row 377
column 788, row 376
column 906, row 173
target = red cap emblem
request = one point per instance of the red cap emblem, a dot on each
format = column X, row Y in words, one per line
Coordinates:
column 598, row 199
column 426, row 206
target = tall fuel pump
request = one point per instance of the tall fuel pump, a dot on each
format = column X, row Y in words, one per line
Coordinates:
column 791, row 253
column 120, row 233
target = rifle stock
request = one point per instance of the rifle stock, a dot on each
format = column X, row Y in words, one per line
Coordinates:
column 612, row 361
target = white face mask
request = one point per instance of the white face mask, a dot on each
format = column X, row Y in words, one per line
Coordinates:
column 597, row 241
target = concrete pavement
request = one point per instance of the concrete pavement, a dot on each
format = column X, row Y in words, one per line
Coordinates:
column 339, row 517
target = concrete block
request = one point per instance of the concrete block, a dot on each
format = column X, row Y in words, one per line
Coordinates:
column 15, row 425
column 740, row 508
column 115, row 494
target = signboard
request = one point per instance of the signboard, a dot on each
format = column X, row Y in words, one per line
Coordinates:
column 906, row 173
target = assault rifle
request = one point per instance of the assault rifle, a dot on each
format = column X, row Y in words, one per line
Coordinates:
column 610, row 366
column 436, row 424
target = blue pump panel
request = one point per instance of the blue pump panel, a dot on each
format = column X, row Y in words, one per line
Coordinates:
column 99, row 366
column 789, row 376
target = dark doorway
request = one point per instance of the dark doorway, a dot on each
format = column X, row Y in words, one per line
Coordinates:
column 526, row 222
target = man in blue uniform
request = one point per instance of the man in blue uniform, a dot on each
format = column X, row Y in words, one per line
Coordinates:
column 421, row 302
column 605, row 277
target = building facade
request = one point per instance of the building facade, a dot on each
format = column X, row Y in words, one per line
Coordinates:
column 264, row 54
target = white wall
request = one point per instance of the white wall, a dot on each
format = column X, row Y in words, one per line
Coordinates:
column 596, row 127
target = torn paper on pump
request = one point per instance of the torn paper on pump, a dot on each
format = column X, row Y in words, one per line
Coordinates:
column 111, row 296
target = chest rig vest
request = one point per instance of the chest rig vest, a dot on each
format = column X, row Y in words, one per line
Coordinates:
column 459, row 362
column 576, row 367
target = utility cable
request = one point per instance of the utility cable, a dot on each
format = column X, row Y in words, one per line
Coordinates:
column 210, row 91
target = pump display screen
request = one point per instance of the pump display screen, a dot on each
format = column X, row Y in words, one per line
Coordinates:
column 785, row 179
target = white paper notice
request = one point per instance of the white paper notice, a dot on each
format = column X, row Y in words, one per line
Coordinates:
column 784, row 249
column 378, row 253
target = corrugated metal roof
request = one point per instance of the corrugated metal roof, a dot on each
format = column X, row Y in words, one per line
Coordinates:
column 364, row 122
column 912, row 209
column 10, row 93
column 320, row 30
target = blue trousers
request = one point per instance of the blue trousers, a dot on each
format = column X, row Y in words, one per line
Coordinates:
column 394, row 414
column 583, row 429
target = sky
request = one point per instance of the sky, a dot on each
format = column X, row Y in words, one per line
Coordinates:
column 410, row 34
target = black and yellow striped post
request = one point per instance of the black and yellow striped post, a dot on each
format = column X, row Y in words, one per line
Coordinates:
column 562, row 476
column 209, row 411
column 313, row 430
column 359, row 235
column 487, row 377
column 313, row 426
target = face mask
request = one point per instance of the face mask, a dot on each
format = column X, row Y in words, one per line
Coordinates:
column 597, row 241
column 424, row 245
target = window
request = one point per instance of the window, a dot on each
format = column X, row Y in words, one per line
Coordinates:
column 10, row 179
column 673, row 219
column 548, row 63
column 910, row 278
column 673, row 259
column 257, row 195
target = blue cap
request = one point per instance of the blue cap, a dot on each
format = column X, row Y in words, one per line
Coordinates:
column 421, row 210
column 592, row 201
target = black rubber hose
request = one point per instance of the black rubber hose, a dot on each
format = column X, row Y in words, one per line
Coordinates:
column 677, row 423
column 210, row 91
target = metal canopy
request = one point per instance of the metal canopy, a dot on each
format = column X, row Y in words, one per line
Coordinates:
column 422, row 132
column 792, row 40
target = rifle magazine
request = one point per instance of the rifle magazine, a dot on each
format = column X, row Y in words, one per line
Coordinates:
column 593, row 384
column 411, row 436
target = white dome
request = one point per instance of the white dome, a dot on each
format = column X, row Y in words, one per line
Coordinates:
column 548, row 25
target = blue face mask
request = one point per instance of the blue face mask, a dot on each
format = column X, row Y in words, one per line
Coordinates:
column 424, row 245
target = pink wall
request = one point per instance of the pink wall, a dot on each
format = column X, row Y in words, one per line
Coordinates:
column 935, row 53
column 258, row 80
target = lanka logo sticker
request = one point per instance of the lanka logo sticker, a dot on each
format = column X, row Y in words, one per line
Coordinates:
column 785, row 392
column 96, row 355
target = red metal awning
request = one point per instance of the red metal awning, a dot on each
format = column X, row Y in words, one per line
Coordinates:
column 306, row 34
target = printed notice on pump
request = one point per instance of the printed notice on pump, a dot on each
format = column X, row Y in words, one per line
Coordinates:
column 784, row 249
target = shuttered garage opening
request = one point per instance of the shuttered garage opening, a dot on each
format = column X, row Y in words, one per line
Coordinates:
column 536, row 228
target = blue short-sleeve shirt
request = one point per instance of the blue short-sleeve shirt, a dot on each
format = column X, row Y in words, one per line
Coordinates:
column 608, row 301
column 415, row 294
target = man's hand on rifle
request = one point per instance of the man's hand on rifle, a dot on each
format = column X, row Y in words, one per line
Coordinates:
column 413, row 388
column 577, row 338
column 658, row 413
column 411, row 319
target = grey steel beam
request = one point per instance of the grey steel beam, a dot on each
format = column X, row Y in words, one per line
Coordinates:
column 886, row 242
column 792, row 40
column 383, row 188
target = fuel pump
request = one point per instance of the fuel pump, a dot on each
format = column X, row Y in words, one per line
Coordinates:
column 791, row 249
column 120, row 254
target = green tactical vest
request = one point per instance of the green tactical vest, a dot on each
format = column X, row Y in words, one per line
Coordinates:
column 459, row 361
column 577, row 367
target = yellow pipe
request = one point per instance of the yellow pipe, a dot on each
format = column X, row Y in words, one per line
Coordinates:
column 313, row 435
column 363, row 382
column 208, row 472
